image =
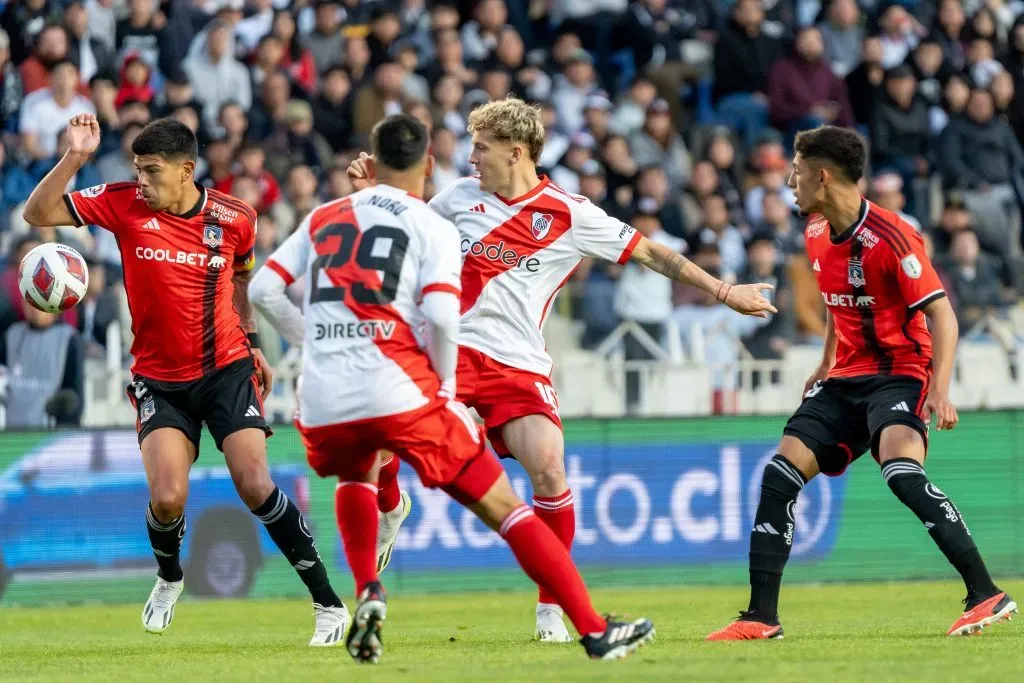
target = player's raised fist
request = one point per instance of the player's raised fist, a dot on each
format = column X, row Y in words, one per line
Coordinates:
column 83, row 134
column 749, row 300
column 360, row 171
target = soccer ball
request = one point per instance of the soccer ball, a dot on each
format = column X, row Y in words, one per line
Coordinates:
column 53, row 277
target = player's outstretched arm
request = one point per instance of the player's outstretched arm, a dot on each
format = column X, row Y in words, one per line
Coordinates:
column 45, row 206
column 240, row 300
column 944, row 329
column 746, row 299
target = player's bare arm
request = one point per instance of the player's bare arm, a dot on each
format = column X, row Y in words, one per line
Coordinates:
column 247, row 314
column 45, row 206
column 746, row 299
column 828, row 358
column 942, row 321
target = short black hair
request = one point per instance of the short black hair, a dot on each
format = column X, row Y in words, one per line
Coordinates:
column 167, row 138
column 844, row 148
column 399, row 142
column 61, row 62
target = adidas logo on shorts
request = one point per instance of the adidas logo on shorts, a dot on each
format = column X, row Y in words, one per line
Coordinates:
column 252, row 412
column 902, row 407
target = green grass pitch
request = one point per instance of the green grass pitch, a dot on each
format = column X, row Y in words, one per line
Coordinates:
column 834, row 633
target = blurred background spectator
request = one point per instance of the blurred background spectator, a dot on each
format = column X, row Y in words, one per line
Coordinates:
column 676, row 115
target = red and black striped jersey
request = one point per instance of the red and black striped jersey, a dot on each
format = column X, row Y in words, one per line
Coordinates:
column 875, row 278
column 177, row 273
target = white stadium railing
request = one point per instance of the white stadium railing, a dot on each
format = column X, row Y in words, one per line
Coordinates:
column 593, row 383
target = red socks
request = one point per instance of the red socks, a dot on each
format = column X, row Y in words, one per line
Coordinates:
column 545, row 560
column 355, row 504
column 559, row 514
column 388, row 496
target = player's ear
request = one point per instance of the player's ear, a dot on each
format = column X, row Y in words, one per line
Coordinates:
column 188, row 170
column 429, row 169
column 517, row 154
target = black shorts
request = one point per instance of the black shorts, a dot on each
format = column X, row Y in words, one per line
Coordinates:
column 840, row 419
column 227, row 400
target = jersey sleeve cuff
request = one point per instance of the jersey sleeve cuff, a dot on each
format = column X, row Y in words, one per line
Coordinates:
column 926, row 299
column 280, row 270
column 441, row 287
column 70, row 203
column 628, row 251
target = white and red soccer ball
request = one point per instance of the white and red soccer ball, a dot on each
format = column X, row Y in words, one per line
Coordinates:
column 53, row 277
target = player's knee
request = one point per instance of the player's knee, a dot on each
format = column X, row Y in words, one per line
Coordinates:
column 900, row 441
column 168, row 502
column 781, row 479
column 254, row 487
column 546, row 468
column 904, row 477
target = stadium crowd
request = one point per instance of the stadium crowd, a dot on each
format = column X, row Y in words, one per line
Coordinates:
column 674, row 115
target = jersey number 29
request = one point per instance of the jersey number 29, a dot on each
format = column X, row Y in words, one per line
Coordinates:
column 340, row 241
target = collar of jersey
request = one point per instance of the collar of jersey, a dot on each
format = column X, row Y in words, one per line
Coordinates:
column 529, row 195
column 850, row 231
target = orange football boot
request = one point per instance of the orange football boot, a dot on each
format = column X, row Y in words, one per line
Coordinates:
column 745, row 628
column 990, row 611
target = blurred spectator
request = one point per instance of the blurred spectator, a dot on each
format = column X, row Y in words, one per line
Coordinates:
column 864, row 83
column 140, row 31
column 567, row 174
column 271, row 107
column 889, row 192
column 928, row 68
column 555, row 141
column 803, row 91
column 100, row 307
column 232, row 124
column 901, row 133
column 45, row 113
column 631, row 110
column 772, row 171
column 332, row 108
column 447, row 96
column 949, row 31
column 778, row 220
column 325, row 40
column 842, row 31
column 11, row 91
column 91, row 54
column 134, row 77
column 981, row 156
column 297, row 61
column 704, row 182
column 771, row 336
column 51, row 48
column 900, row 32
column 744, row 55
column 11, row 300
column 975, row 280
column 717, row 230
column 620, row 169
column 250, row 162
column 644, row 297
column 655, row 196
column 45, row 370
column 218, row 155
column 1009, row 105
column 449, row 60
column 298, row 143
column 572, row 87
column 338, row 183
column 658, row 144
column 268, row 58
column 415, row 86
column 216, row 76
column 24, row 21
column 385, row 27
column 954, row 103
column 445, row 169
column 300, row 197
column 596, row 110
column 510, row 55
column 480, row 35
column 722, row 153
column 378, row 99
column 119, row 166
column 356, row 59
column 253, row 28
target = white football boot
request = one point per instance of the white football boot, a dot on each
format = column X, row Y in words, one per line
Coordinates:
column 387, row 530
column 550, row 627
column 331, row 624
column 159, row 609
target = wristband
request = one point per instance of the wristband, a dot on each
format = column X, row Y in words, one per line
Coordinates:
column 254, row 340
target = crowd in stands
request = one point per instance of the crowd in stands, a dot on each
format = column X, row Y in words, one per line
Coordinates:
column 674, row 115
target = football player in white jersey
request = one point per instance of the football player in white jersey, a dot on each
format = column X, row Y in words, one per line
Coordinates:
column 381, row 265
column 521, row 238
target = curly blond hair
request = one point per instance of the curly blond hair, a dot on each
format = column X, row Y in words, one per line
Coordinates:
column 510, row 120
